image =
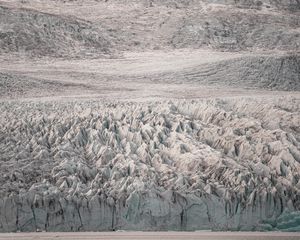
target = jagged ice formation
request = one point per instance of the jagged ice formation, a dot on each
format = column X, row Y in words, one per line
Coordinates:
column 231, row 164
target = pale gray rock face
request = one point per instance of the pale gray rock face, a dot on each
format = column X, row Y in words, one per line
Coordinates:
column 188, row 165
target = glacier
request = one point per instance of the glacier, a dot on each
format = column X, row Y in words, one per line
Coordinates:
column 218, row 164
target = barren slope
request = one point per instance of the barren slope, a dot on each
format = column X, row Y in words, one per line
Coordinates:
column 153, row 24
column 152, row 75
column 40, row 34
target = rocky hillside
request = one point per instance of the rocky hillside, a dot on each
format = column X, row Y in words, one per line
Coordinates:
column 237, row 30
column 41, row 34
column 78, row 27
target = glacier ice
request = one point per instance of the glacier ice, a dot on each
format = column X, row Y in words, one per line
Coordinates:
column 220, row 164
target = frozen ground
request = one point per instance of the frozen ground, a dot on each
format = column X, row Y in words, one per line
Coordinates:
column 149, row 115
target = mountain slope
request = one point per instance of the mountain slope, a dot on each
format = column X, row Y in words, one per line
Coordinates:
column 42, row 34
